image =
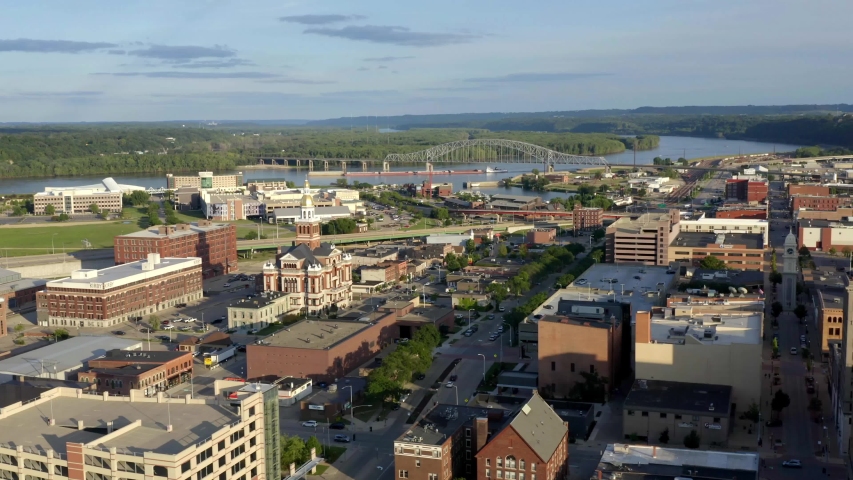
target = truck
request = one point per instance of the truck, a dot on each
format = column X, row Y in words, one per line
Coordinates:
column 215, row 358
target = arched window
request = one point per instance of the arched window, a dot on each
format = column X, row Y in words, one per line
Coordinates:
column 510, row 461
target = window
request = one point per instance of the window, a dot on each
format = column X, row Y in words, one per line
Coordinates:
column 521, row 476
column 203, row 455
column 553, row 366
column 254, row 473
column 592, row 369
column 488, row 462
column 222, row 461
column 467, row 432
column 499, row 462
column 160, row 471
column 500, row 474
column 467, row 443
column 630, row 413
column 662, row 415
column 7, row 475
column 204, row 472
column 533, row 469
column 418, row 463
column 251, row 411
column 716, row 419
column 238, row 451
column 521, row 464
column 510, row 476
column 237, row 435
column 677, row 416
column 404, row 474
column 252, row 442
column 185, row 467
column 572, row 366
column 238, row 466
column 488, row 473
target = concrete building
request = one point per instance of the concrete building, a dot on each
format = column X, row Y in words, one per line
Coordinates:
column 645, row 240
column 513, row 202
column 541, row 235
column 454, row 239
column 214, row 243
column 103, row 437
column 18, row 291
column 568, row 345
column 705, row 224
column 638, row 462
column 60, row 360
column 653, row 407
column 746, row 190
column 106, row 297
column 106, row 195
column 485, row 443
column 264, row 309
column 229, row 206
column 205, row 181
column 724, row 342
column 743, row 251
column 388, row 271
column 822, row 235
column 320, row 349
column 120, row 371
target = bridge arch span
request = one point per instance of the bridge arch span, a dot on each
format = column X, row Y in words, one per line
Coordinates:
column 536, row 153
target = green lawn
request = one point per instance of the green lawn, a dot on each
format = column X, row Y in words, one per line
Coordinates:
column 37, row 240
column 321, row 469
column 333, row 452
column 424, row 223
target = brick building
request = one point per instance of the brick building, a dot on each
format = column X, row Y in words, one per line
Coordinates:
column 207, row 343
column 746, row 190
column 743, row 211
column 120, row 371
column 568, row 346
column 454, row 441
column 586, row 218
column 321, row 349
column 18, row 291
column 808, row 189
column 106, row 297
column 541, row 235
column 214, row 243
column 741, row 251
column 820, row 203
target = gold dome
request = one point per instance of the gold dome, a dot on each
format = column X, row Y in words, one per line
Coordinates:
column 307, row 201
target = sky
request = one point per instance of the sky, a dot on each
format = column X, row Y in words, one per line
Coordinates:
column 80, row 60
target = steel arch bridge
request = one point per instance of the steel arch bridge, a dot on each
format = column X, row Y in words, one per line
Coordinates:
column 534, row 153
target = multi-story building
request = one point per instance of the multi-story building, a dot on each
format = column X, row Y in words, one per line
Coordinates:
column 541, row 235
column 705, row 224
column 230, row 206
column 808, row 189
column 106, row 195
column 205, row 180
column 837, row 215
column 826, row 286
column 653, row 407
column 820, row 203
column 485, row 443
column 262, row 310
column 645, row 461
column 746, row 190
column 103, row 437
column 214, row 243
column 101, row 298
column 743, row 211
column 726, row 340
column 18, row 291
column 570, row 345
column 740, row 251
column 374, row 255
column 585, row 218
column 823, row 235
column 388, row 271
column 645, row 240
column 514, row 202
column 120, row 371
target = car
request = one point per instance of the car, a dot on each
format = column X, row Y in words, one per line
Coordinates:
column 468, row 333
column 118, row 332
column 581, row 281
column 502, row 309
column 501, row 329
column 218, row 320
column 342, row 438
column 492, row 337
column 185, row 329
column 548, row 307
column 404, row 397
column 337, row 426
column 168, row 327
column 396, row 406
column 802, row 339
column 165, row 338
column 253, row 331
column 474, row 327
column 449, row 385
column 310, row 423
column 637, row 277
column 793, row 350
column 165, row 322
column 492, row 316
column 226, row 285
column 322, row 384
column 453, row 377
column 426, row 284
column 421, row 376
column 792, row 464
column 146, row 330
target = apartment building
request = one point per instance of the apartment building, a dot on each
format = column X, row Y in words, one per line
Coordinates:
column 205, row 180
column 740, row 251
column 818, row 202
column 670, row 342
column 230, row 206
column 120, row 371
column 214, row 243
column 586, row 218
column 645, row 240
column 453, row 441
column 106, row 297
column 100, row 437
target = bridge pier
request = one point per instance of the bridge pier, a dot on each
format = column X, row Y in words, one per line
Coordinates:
column 363, row 166
column 549, row 168
column 310, row 165
column 344, row 166
column 386, row 167
column 326, row 165
column 429, row 167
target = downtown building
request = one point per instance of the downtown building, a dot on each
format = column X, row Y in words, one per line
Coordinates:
column 214, row 243
column 110, row 296
column 205, row 180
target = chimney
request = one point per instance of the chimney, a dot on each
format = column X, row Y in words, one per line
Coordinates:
column 109, row 427
column 80, row 425
column 655, row 451
column 481, row 433
column 643, row 327
column 292, row 469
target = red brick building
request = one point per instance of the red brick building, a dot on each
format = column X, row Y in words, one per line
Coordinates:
column 214, row 243
column 388, row 271
column 808, row 189
column 120, row 371
column 454, row 441
column 541, row 235
column 110, row 296
column 746, row 190
column 585, row 218
column 742, row 211
column 821, row 203
column 19, row 291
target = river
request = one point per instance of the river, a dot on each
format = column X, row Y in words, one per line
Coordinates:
column 672, row 147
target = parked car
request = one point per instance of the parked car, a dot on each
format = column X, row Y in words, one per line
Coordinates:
column 337, row 426
column 165, row 338
column 310, row 423
column 226, row 285
column 168, row 327
column 218, row 320
column 146, row 330
column 118, row 332
column 793, row 350
column 449, row 385
column 468, row 333
column 421, row 376
column 502, row 309
column 342, row 438
column 453, row 377
column 792, row 464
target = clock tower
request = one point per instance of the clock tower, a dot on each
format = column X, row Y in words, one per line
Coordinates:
column 788, row 294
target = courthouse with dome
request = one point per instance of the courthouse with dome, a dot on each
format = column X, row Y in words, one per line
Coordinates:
column 314, row 274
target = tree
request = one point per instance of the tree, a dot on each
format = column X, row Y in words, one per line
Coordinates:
column 642, row 192
column 251, row 235
column 502, row 250
column 712, row 263
column 752, row 413
column 535, row 171
column 801, row 312
column 832, row 251
column 470, row 246
column 136, row 198
column 692, row 440
column 776, row 309
column 440, row 213
column 596, row 255
column 775, row 277
column 154, row 321
column 603, row 188
column 49, row 210
column 804, row 251
column 780, row 401
column 593, row 388
column 292, row 450
column 498, row 291
column 61, row 334
column 664, row 436
column 522, row 250
column 598, row 234
column 18, row 211
column 312, row 443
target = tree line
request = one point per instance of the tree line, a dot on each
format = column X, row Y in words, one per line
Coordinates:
column 398, row 367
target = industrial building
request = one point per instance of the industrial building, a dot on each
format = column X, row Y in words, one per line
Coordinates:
column 106, row 297
column 214, row 243
column 60, row 360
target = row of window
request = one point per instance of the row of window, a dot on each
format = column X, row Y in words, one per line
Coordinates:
column 694, row 418
column 571, row 367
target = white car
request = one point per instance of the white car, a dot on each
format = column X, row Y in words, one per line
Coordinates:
column 793, row 350
column 168, row 327
column 310, row 423
column 226, row 285
column 449, row 384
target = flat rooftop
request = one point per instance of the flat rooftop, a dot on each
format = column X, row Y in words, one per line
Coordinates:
column 193, row 229
column 190, row 424
column 65, row 355
column 709, row 400
column 259, row 301
column 708, row 328
column 646, row 220
column 118, row 275
column 636, row 462
column 697, row 239
column 315, row 334
column 425, row 314
column 445, row 419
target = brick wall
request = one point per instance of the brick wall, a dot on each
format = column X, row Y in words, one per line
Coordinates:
column 567, row 349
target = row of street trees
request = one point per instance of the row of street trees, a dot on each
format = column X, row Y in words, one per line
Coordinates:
column 398, row 367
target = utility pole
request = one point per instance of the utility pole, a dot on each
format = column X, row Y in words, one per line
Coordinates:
column 635, row 152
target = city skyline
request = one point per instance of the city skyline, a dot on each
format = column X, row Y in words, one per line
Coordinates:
column 308, row 60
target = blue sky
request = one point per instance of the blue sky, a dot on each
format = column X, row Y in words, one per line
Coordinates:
column 82, row 60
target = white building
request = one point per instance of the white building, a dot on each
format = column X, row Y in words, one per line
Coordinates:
column 107, row 195
column 58, row 359
column 456, row 239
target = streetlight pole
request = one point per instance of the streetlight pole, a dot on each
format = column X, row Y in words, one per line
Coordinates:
column 456, row 390
column 350, row 404
column 484, row 366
